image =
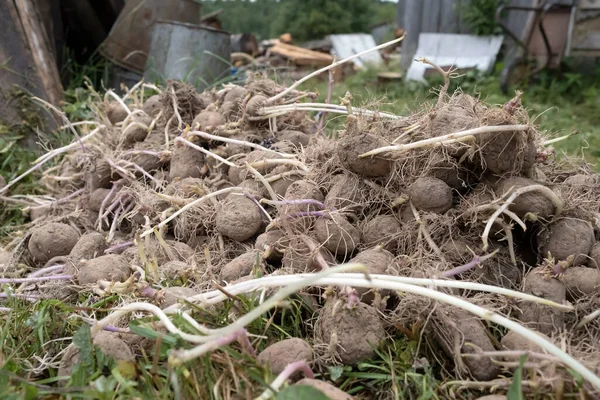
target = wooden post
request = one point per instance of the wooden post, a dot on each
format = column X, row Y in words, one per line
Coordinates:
column 41, row 50
column 413, row 11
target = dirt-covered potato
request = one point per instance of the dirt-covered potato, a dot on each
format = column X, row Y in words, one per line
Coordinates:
column 302, row 190
column 581, row 180
column 174, row 294
column 186, row 162
column 567, row 237
column 255, row 104
column 176, row 270
column 300, row 258
column 502, row 152
column 594, row 259
column 152, row 106
column 281, row 185
column 454, row 328
column 377, row 261
column 430, row 194
column 208, row 120
column 326, row 388
column 271, row 243
column 234, row 175
column 178, row 251
column 136, row 130
column 238, row 218
column 115, row 113
column 345, row 193
column 350, row 147
column 5, row 257
column 514, row 341
column 253, row 187
column 256, row 159
column 382, row 230
column 186, row 187
column 295, row 138
column 278, row 355
column 111, row 267
column 89, row 245
column 531, row 202
column 241, row 266
column 51, row 240
column 352, row 331
column 337, row 234
column 100, row 175
column 107, row 342
column 542, row 318
column 94, row 202
column 235, row 94
column 448, row 171
column 581, row 281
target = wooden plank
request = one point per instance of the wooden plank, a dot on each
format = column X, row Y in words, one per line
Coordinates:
column 412, row 24
column 449, row 16
column 41, row 50
column 430, row 15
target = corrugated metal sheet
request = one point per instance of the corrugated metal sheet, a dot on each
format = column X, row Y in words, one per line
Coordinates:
column 350, row 44
column 457, row 50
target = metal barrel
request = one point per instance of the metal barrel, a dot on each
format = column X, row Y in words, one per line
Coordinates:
column 128, row 42
column 191, row 53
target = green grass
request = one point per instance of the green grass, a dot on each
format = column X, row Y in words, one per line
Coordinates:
column 563, row 103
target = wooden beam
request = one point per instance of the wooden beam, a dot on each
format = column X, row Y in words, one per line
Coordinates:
column 41, row 49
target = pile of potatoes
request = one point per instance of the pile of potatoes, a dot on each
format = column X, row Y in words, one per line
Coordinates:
column 419, row 212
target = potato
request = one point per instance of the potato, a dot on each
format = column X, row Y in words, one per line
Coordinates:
column 109, row 343
column 581, row 281
column 514, row 341
column 350, row 147
column 5, row 258
column 234, row 175
column 278, row 355
column 186, row 162
column 96, row 198
column 345, row 193
column 581, row 180
column 179, row 250
column 176, row 270
column 544, row 319
column 281, row 185
column 567, row 237
column 100, row 175
column 51, row 240
column 174, row 294
column 255, row 104
column 111, row 267
column 302, row 190
column 299, row 258
column 186, row 187
column 449, row 172
column 116, row 113
column 253, row 187
column 353, row 331
column 594, row 259
column 235, row 94
column 208, row 120
column 456, row 326
column 271, row 244
column 296, row 138
column 502, row 152
column 238, row 218
column 241, row 266
column 152, row 106
column 337, row 234
column 381, row 230
column 89, row 246
column 377, row 261
column 326, row 388
column 430, row 194
column 134, row 131
column 533, row 202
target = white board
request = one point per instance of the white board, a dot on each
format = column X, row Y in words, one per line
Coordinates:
column 460, row 51
column 349, row 44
